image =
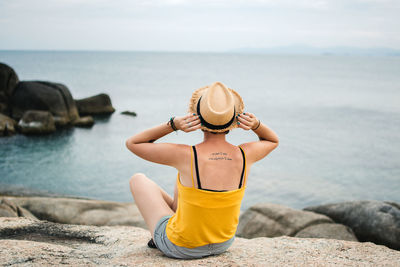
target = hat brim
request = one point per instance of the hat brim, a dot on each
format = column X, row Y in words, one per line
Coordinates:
column 239, row 107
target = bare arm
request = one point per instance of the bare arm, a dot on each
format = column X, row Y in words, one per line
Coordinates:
column 268, row 139
column 142, row 144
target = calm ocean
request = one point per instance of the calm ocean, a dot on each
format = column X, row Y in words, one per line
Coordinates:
column 338, row 119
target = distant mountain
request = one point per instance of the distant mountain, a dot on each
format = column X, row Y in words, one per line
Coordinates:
column 310, row 50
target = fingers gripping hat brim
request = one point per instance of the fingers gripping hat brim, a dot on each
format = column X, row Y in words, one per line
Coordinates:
column 238, row 102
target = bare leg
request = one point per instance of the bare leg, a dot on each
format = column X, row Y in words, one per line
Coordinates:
column 152, row 202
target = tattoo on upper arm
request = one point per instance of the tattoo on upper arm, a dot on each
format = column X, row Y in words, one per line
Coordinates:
column 219, row 156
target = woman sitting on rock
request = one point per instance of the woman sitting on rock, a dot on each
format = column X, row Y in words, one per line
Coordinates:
column 202, row 218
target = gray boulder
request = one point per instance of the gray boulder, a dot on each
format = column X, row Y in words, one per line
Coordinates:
column 271, row 220
column 25, row 242
column 81, row 211
column 37, row 122
column 7, row 125
column 46, row 96
column 8, row 82
column 373, row 221
column 95, row 105
column 9, row 209
column 329, row 231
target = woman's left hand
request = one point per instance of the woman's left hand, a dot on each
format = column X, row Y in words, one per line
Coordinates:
column 187, row 123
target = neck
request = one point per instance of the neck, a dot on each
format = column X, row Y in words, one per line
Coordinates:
column 210, row 137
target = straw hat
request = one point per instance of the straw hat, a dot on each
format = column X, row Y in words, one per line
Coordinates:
column 217, row 106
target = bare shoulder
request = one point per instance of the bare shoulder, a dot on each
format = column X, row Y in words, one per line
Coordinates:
column 162, row 153
column 257, row 150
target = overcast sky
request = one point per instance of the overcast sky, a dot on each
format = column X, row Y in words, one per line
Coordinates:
column 196, row 25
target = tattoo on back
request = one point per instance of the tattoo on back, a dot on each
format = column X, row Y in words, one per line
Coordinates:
column 219, row 156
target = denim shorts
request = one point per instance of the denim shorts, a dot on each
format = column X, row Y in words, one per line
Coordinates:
column 173, row 251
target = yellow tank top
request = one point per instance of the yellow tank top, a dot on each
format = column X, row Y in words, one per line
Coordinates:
column 205, row 217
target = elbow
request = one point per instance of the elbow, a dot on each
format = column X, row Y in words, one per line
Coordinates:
column 130, row 145
column 276, row 142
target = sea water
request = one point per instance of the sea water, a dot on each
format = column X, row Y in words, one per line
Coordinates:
column 337, row 117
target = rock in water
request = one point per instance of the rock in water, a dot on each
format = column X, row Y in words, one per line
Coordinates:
column 373, row 221
column 86, row 121
column 38, row 95
column 7, row 125
column 8, row 82
column 130, row 113
column 37, row 122
column 95, row 105
column 25, row 242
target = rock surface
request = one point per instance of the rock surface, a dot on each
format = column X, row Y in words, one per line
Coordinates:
column 47, row 96
column 272, row 220
column 373, row 221
column 80, row 211
column 328, row 230
column 37, row 122
column 7, row 125
column 95, row 105
column 8, row 82
column 130, row 113
column 86, row 121
column 24, row 242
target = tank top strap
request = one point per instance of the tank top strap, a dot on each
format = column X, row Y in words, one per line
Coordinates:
column 197, row 168
column 191, row 165
column 244, row 174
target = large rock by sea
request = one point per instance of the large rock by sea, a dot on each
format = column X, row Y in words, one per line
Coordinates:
column 25, row 242
column 37, row 122
column 7, row 125
column 95, row 105
column 272, row 220
column 373, row 221
column 46, row 96
column 79, row 211
column 8, row 82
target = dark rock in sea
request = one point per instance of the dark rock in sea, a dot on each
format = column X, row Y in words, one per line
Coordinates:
column 47, row 96
column 86, row 122
column 130, row 113
column 373, row 221
column 272, row 220
column 37, row 122
column 7, row 125
column 95, row 105
column 8, row 82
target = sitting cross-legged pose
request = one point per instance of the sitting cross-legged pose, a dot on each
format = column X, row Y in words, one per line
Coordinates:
column 202, row 218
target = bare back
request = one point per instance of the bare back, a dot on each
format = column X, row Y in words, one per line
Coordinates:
column 220, row 166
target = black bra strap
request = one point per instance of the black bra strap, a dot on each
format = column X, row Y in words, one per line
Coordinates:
column 244, row 167
column 197, row 167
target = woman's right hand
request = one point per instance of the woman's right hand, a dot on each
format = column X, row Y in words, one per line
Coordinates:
column 187, row 123
column 247, row 121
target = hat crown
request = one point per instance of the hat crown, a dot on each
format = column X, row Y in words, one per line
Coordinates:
column 217, row 104
column 219, row 99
